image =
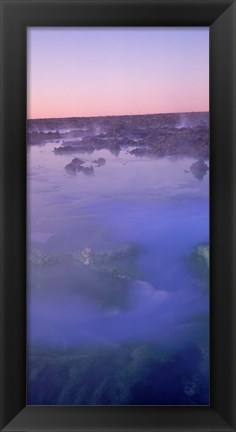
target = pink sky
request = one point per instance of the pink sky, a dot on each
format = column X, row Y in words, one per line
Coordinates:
column 75, row 72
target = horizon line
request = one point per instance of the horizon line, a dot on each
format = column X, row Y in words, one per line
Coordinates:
column 117, row 115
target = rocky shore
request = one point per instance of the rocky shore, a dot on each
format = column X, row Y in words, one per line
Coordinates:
column 183, row 134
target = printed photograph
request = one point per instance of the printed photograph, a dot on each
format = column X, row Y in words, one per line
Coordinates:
column 118, row 216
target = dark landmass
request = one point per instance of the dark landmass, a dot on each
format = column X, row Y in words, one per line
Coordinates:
column 183, row 134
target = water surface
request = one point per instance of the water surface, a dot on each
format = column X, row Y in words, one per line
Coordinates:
column 129, row 331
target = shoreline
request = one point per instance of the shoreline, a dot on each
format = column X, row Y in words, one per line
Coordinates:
column 153, row 134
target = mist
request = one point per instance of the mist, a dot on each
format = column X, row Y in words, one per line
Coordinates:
column 118, row 299
column 59, row 319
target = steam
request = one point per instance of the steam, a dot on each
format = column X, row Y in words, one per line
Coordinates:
column 184, row 122
column 169, row 318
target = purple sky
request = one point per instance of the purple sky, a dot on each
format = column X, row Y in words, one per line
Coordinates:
column 113, row 71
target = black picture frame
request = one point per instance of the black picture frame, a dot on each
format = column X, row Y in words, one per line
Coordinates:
column 220, row 16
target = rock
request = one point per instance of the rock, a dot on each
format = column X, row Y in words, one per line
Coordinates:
column 77, row 162
column 76, row 165
column 62, row 149
column 39, row 257
column 199, row 169
column 99, row 162
column 125, row 251
column 70, row 168
column 111, row 271
column 122, row 252
column 137, row 151
column 199, row 262
column 202, row 252
column 87, row 170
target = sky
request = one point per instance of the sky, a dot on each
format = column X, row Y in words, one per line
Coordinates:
column 82, row 72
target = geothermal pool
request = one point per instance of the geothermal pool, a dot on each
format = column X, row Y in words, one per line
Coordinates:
column 117, row 313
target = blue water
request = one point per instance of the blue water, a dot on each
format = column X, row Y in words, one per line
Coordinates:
column 78, row 327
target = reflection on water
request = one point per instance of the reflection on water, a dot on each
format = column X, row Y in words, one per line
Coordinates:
column 116, row 312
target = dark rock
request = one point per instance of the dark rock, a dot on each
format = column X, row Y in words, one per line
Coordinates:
column 70, row 168
column 74, row 165
column 63, row 149
column 199, row 262
column 77, row 162
column 99, row 161
column 87, row 170
column 74, row 143
column 138, row 151
column 202, row 251
column 199, row 169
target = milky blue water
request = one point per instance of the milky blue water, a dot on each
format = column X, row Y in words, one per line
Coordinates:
column 141, row 338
